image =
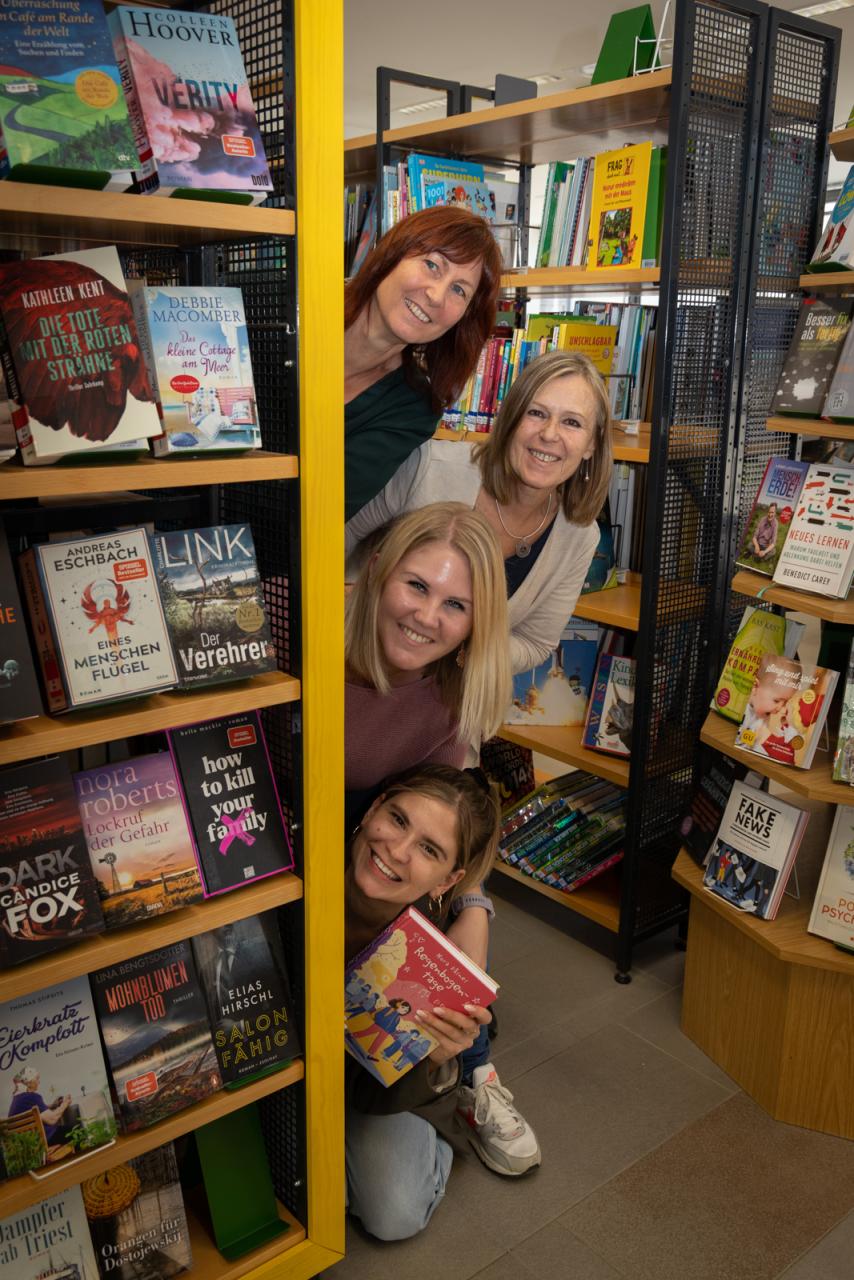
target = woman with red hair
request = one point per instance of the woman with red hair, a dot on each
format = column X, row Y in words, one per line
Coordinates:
column 415, row 318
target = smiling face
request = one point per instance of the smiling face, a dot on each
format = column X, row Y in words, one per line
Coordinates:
column 405, row 848
column 423, row 297
column 554, row 434
column 425, row 610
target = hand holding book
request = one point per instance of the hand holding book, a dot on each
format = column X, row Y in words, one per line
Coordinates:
column 454, row 1031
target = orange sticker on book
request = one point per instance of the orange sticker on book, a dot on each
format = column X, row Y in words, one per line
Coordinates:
column 237, row 144
column 141, row 1086
column 128, row 570
column 242, row 736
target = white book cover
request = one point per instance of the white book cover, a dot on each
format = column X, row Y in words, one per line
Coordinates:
column 753, row 852
column 48, row 1241
column 818, row 554
column 832, row 913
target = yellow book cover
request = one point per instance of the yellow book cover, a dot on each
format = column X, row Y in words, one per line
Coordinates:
column 618, row 209
column 594, row 340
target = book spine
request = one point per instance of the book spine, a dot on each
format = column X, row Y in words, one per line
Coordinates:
column 592, row 872
column 146, row 177
column 46, row 652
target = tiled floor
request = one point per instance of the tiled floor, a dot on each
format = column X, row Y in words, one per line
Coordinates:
column 606, row 1077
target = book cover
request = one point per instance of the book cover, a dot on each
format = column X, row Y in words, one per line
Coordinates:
column 48, row 892
column 771, row 514
column 818, row 554
column 839, row 402
column 716, row 776
column 820, row 332
column 474, row 196
column 137, row 1219
column 214, row 604
column 832, row 914
column 608, row 726
column 53, row 1081
column 759, row 632
column 591, row 339
column 63, row 117
column 834, row 249
column 556, row 691
column 423, row 168
column 71, row 355
column 411, row 965
column 231, row 801
column 196, row 348
column 618, row 209
column 786, row 710
column 19, row 687
column 754, row 850
column 242, row 971
column 190, row 105
column 139, row 843
column 48, row 1241
column 154, row 1025
column 843, row 757
column 97, row 616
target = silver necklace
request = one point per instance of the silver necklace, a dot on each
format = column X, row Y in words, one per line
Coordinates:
column 523, row 540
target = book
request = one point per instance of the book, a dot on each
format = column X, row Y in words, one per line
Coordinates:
column 53, row 1078
column 716, row 776
column 242, row 970
column 759, row 632
column 231, row 801
column 214, row 604
column 839, row 402
column 196, row 348
column 474, row 196
column 190, row 105
column 422, row 169
column 48, row 892
column 154, row 1025
column 19, row 686
column 97, row 619
column 786, row 710
column 608, row 725
column 556, row 691
column 834, row 249
column 832, row 914
column 591, row 339
column 771, row 514
column 139, row 843
column 619, row 208
column 816, row 345
column 63, row 116
column 818, row 554
column 843, row 756
column 411, row 965
column 48, row 1241
column 754, row 851
column 71, row 356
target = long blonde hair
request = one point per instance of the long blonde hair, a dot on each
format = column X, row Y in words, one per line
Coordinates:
column 478, row 693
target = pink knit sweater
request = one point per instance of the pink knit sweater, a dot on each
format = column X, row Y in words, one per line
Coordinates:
column 386, row 733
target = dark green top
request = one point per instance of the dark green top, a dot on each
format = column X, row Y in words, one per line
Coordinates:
column 382, row 426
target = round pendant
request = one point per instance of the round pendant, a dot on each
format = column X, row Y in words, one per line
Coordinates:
column 523, row 549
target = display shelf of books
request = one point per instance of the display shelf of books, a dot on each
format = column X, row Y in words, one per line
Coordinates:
column 841, row 143
column 19, row 481
column 559, row 279
column 617, row 607
column 816, row 782
column 812, row 427
column 827, row 280
column 564, row 743
column 746, row 583
column 599, row 900
column 628, row 446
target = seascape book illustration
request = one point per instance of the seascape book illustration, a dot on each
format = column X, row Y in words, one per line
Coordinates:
column 556, row 691
column 214, row 604
column 190, row 105
column 97, row 618
column 232, row 803
column 71, row 355
column 836, row 246
column 820, row 332
column 139, row 844
column 154, row 1024
column 137, row 1218
column 759, row 632
column 54, row 1092
column 771, row 514
column 818, row 554
column 63, row 116
column 48, row 892
column 610, row 711
column 19, row 686
column 787, row 710
column 832, row 914
column 754, row 850
column 242, row 971
column 48, row 1241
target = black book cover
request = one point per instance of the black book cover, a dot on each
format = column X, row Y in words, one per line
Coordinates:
column 807, row 373
column 243, row 976
column 716, row 776
column 214, row 605
column 48, row 891
column 231, row 799
column 19, row 689
column 154, row 1024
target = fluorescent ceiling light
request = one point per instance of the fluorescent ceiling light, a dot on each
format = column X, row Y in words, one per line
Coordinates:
column 416, row 107
column 826, row 6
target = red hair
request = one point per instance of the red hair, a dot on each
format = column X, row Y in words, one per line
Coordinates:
column 460, row 236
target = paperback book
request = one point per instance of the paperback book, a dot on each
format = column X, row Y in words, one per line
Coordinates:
column 752, row 857
column 843, row 758
column 759, row 632
column 771, row 514
column 832, row 914
column 610, row 712
column 618, row 211
column 818, row 554
column 422, row 169
column 834, row 249
column 411, row 965
column 786, row 710
column 19, row 688
column 819, row 334
column 556, row 691
column 48, row 1241
column 139, row 843
column 473, row 196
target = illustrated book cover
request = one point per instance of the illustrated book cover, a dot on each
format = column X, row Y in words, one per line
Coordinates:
column 771, row 514
column 786, row 710
column 818, row 554
column 71, row 355
column 139, row 843
column 422, row 169
column 752, row 857
column 214, row 604
column 832, row 914
column 411, row 965
column 556, row 691
column 97, row 619
column 821, row 328
column 619, row 209
column 19, row 686
column 190, row 105
column 242, row 971
column 474, row 196
column 610, row 711
column 53, row 1080
column 48, row 1241
column 232, row 803
column 834, row 250
column 843, row 757
column 137, row 1219
column 154, row 1024
column 48, row 892
column 759, row 632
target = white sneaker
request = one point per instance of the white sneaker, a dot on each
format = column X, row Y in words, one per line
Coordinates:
column 502, row 1138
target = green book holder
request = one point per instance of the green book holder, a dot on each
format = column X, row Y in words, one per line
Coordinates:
column 242, row 1204
column 617, row 55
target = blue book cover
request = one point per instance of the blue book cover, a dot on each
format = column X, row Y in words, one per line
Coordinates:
column 422, row 169
column 556, row 691
column 474, row 196
column 608, row 726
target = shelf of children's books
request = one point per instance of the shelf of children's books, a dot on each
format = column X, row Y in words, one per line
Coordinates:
column 18, row 1193
column 44, row 735
column 827, row 280
column 209, row 1264
column 841, row 143
column 616, row 607
column 598, row 900
column 557, row 279
column 564, row 744
column 812, row 427
column 18, row 481
column 815, row 782
column 110, row 948
column 754, row 584
column 627, row 446
column 67, row 216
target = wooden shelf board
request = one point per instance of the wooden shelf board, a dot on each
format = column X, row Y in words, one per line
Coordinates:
column 149, row 935
column 539, row 278
column 44, row 735
column 565, row 744
column 755, row 584
column 815, row 783
column 598, row 900
column 19, row 1193
column 827, row 280
column 812, row 427
column 617, row 607
column 209, row 1264
column 841, row 143
column 18, row 481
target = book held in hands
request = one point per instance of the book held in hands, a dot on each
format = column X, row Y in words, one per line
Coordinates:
column 832, row 914
column 787, row 710
column 752, row 857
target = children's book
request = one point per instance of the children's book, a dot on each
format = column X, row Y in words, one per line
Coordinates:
column 594, row 340
column 139, row 843
column 754, row 851
column 818, row 554
column 834, row 250
column 19, row 687
column 619, row 209
column 716, row 776
column 771, row 514
column 411, row 965
column 832, row 914
column 556, row 691
column 190, row 106
column 63, row 116
column 608, row 726
column 422, row 169
column 759, row 632
column 48, row 1241
column 821, row 329
column 843, row 759
column 786, row 710
column 474, row 196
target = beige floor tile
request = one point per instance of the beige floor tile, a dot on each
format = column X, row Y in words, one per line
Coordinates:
column 658, row 1022
column 555, row 1252
column 831, row 1259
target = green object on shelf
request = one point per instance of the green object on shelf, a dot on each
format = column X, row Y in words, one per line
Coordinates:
column 242, row 1208
column 617, row 55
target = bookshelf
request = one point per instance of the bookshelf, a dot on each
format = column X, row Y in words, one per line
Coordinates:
column 814, row 783
column 746, row 583
column 628, row 446
column 811, row 427
column 562, row 279
column 826, row 280
column 18, row 481
column 841, row 143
